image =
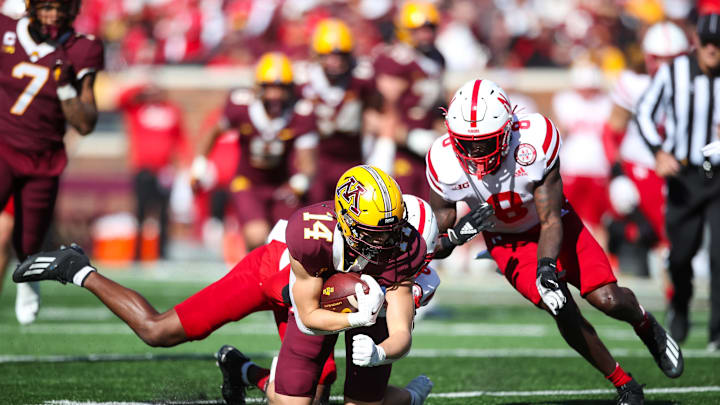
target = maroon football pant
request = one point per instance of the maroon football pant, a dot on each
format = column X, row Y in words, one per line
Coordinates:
column 33, row 180
column 301, row 359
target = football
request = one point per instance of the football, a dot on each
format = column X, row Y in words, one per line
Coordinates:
column 338, row 292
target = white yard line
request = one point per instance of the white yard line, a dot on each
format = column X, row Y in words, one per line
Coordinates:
column 418, row 353
column 264, row 326
column 466, row 394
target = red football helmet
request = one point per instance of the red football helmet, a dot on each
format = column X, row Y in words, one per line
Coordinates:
column 479, row 120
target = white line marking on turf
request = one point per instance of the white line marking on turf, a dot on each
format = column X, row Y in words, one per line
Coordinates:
column 418, row 353
column 467, row 394
column 425, row 328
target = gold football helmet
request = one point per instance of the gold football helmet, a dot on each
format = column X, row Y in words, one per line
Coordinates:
column 274, row 68
column 413, row 15
column 370, row 211
column 332, row 35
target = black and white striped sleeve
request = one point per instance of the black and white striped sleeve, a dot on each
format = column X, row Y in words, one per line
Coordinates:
column 656, row 94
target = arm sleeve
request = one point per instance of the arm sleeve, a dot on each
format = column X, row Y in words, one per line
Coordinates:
column 648, row 105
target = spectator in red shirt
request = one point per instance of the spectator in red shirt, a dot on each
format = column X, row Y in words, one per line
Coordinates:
column 155, row 130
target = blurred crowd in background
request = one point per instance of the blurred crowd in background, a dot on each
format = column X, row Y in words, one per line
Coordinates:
column 594, row 39
column 473, row 34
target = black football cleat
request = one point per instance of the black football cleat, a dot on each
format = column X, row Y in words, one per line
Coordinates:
column 231, row 360
column 630, row 394
column 63, row 265
column 665, row 351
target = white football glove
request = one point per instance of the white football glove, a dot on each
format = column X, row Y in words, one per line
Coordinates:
column 713, row 148
column 368, row 304
column 365, row 353
column 549, row 287
column 624, row 196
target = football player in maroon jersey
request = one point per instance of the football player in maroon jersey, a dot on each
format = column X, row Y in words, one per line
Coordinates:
column 257, row 282
column 342, row 88
column 47, row 72
column 276, row 130
column 409, row 77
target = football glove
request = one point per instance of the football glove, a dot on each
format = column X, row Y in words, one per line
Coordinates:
column 368, row 304
column 365, row 353
column 472, row 224
column 548, row 285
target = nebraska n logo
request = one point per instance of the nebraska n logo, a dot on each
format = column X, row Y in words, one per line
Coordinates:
column 350, row 191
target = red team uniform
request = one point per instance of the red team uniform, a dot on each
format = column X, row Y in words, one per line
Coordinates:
column 321, row 252
column 533, row 151
column 339, row 110
column 417, row 106
column 32, row 124
column 266, row 147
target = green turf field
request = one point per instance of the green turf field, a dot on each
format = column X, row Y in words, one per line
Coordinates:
column 475, row 350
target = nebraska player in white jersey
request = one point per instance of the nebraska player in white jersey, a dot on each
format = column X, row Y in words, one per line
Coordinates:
column 506, row 167
column 635, row 190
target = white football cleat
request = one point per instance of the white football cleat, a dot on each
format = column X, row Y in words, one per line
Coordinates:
column 419, row 388
column 27, row 302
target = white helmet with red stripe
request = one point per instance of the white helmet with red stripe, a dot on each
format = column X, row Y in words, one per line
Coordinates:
column 421, row 217
column 479, row 121
column 663, row 41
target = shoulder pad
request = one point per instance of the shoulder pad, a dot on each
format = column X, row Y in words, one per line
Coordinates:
column 241, row 96
column 303, row 107
column 442, row 162
column 538, row 131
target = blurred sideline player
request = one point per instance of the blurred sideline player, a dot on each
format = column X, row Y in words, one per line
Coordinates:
column 48, row 83
column 636, row 192
column 507, row 168
column 277, row 148
column 409, row 77
column 365, row 231
column 257, row 283
column 342, row 89
column 581, row 113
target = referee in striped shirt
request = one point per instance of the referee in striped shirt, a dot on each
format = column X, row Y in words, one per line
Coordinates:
column 685, row 96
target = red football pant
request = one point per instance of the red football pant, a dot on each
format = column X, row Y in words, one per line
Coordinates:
column 254, row 284
column 581, row 257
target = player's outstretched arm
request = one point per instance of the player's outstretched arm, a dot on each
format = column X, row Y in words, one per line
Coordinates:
column 71, row 265
column 548, row 201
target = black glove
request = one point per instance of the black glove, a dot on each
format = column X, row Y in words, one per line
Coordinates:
column 548, row 285
column 472, row 224
column 547, row 273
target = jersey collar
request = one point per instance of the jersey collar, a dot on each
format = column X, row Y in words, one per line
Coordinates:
column 34, row 50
